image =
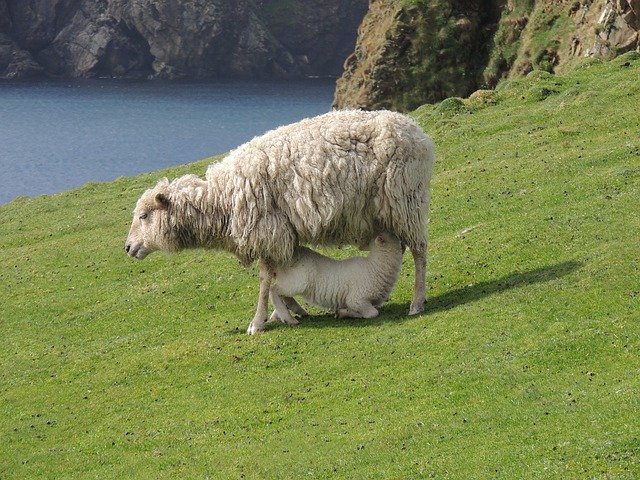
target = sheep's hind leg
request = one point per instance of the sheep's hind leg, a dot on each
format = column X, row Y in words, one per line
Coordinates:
column 419, row 287
column 266, row 276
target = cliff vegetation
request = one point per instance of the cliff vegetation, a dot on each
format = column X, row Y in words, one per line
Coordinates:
column 411, row 52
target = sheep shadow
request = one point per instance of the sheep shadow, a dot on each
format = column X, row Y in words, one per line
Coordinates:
column 394, row 313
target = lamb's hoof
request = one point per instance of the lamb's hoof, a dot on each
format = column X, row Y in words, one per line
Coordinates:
column 289, row 321
column 415, row 309
column 253, row 329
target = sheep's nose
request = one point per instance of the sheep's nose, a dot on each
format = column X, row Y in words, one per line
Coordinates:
column 127, row 247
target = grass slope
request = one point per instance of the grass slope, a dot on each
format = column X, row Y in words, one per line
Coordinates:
column 525, row 364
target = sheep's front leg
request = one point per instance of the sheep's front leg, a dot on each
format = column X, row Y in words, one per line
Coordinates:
column 266, row 277
column 419, row 286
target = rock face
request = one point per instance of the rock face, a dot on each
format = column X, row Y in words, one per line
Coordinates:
column 410, row 53
column 618, row 28
column 176, row 38
column 14, row 61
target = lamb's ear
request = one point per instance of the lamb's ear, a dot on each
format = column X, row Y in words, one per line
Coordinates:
column 381, row 240
column 162, row 201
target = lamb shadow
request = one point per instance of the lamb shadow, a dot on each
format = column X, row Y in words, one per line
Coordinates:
column 449, row 300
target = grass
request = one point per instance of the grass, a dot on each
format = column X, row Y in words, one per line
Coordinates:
column 525, row 364
column 550, row 29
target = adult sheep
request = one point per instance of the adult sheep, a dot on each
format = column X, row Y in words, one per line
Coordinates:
column 339, row 178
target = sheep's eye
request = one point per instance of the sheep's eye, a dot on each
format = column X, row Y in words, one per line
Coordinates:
column 143, row 216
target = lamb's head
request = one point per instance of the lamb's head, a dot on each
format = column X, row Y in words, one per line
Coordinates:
column 150, row 229
column 386, row 242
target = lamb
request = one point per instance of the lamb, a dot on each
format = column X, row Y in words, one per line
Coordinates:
column 353, row 287
column 338, row 178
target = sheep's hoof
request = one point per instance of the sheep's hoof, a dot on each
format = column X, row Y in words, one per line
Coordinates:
column 255, row 328
column 415, row 309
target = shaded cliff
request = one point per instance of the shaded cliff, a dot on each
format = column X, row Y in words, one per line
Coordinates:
column 176, row 38
column 411, row 52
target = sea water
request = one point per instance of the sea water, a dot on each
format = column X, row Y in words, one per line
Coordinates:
column 57, row 135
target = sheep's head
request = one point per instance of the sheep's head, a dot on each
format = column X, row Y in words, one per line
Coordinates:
column 150, row 226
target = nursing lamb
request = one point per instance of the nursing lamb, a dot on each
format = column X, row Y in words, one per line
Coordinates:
column 339, row 178
column 352, row 287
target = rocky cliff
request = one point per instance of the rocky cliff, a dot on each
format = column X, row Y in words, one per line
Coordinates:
column 411, row 52
column 551, row 35
column 177, row 38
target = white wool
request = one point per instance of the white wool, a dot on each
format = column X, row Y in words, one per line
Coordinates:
column 339, row 178
column 350, row 287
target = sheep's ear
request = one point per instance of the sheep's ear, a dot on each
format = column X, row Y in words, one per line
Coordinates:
column 380, row 240
column 162, row 201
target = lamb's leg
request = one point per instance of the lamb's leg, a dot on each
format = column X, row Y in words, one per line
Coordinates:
column 266, row 276
column 358, row 310
column 419, row 287
column 294, row 306
column 291, row 305
column 281, row 312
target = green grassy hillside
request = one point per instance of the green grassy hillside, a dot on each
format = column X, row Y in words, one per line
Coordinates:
column 525, row 364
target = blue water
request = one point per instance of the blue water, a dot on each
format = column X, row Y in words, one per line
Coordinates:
column 59, row 135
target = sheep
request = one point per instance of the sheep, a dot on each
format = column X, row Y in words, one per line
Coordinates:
column 353, row 287
column 338, row 178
